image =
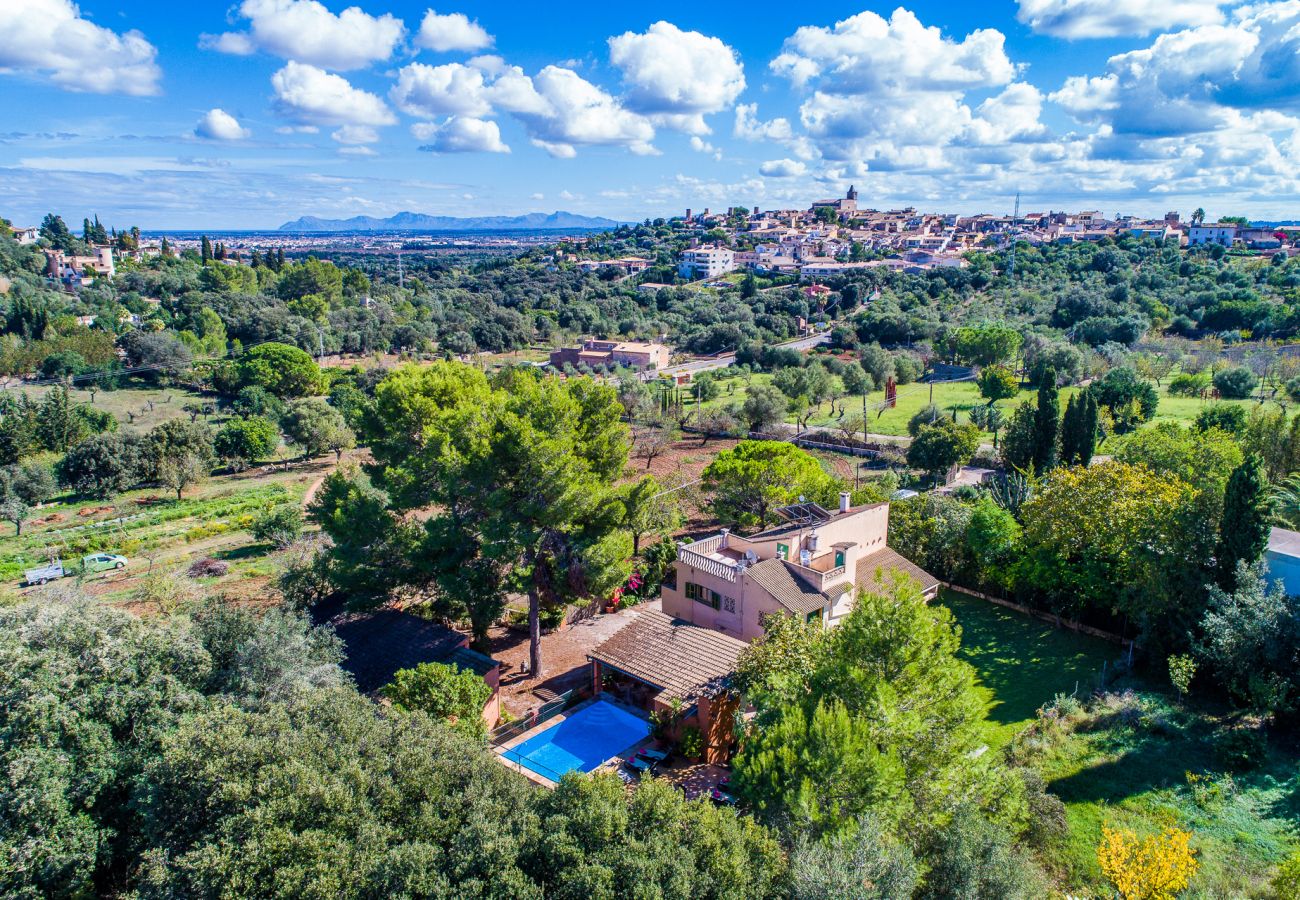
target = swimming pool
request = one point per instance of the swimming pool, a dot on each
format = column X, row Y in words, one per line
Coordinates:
column 583, row 741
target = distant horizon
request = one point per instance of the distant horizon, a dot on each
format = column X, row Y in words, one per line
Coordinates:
column 242, row 117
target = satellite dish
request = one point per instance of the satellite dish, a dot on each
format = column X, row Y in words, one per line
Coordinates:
column 751, row 556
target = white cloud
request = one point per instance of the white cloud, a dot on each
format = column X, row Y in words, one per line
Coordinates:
column 460, row 134
column 573, row 111
column 219, row 125
column 49, row 38
column 751, row 128
column 1189, row 82
column 311, row 96
column 537, row 197
column 452, row 89
column 453, row 31
column 886, row 94
column 681, row 75
column 1108, row 18
column 866, row 54
column 782, row 168
column 354, row 135
column 305, row 31
column 1010, row 115
column 357, row 150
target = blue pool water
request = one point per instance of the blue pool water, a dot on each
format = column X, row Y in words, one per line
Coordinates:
column 582, row 741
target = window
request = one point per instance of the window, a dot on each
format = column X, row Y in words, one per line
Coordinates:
column 729, row 604
column 715, row 599
column 691, row 591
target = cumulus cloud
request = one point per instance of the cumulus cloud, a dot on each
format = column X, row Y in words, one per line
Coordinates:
column 50, row 39
column 1010, row 115
column 679, row 75
column 312, row 96
column 751, row 128
column 305, row 31
column 782, row 168
column 460, row 134
column 1107, row 18
column 890, row 92
column 1189, row 82
column 452, row 89
column 573, row 111
column 866, row 54
column 453, row 31
column 219, row 125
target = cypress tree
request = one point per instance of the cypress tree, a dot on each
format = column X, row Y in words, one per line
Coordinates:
column 205, row 250
column 1070, row 432
column 1244, row 528
column 1087, row 437
column 1047, row 422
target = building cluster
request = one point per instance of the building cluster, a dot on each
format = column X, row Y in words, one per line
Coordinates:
column 834, row 237
column 636, row 355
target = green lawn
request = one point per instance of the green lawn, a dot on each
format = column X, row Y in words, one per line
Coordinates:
column 1023, row 662
column 958, row 396
column 1124, row 760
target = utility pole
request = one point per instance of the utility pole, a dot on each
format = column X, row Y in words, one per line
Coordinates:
column 401, row 279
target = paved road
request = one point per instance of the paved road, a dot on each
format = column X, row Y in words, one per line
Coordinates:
column 722, row 360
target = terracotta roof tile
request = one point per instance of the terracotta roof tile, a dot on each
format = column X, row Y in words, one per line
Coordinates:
column 685, row 660
column 788, row 589
column 877, row 571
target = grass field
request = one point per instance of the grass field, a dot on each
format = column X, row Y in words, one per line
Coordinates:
column 1132, row 758
column 1023, row 662
column 959, row 396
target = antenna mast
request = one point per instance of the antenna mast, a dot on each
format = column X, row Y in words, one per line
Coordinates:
column 401, row 278
column 1011, row 257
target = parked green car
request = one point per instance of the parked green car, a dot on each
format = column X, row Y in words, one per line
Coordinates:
column 100, row 562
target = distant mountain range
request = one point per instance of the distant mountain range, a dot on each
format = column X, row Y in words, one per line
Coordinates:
column 409, row 221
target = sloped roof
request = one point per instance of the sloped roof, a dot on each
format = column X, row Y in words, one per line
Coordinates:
column 787, row 588
column 685, row 660
column 878, row 571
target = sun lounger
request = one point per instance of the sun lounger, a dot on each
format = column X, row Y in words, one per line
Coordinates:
column 656, row 755
column 641, row 766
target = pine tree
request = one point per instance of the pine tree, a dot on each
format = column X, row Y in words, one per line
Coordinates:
column 1244, row 528
column 279, row 259
column 87, row 233
column 205, row 250
column 1046, row 423
column 165, row 248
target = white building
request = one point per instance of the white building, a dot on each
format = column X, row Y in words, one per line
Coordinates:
column 706, row 262
column 27, row 236
column 1200, row 235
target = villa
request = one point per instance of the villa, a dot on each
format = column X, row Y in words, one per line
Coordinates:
column 813, row 565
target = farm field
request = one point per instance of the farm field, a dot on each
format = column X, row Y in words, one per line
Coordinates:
column 1109, row 758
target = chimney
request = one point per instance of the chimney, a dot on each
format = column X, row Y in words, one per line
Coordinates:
column 844, row 501
column 722, row 545
column 812, row 542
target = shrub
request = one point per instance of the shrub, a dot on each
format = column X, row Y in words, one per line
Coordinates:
column 1153, row 868
column 279, row 525
column 1235, row 383
column 1188, row 384
column 691, row 743
column 1223, row 416
column 453, row 695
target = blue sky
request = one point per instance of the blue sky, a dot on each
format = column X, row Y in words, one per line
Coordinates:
column 244, row 116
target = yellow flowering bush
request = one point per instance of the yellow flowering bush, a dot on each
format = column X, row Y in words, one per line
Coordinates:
column 1151, row 868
